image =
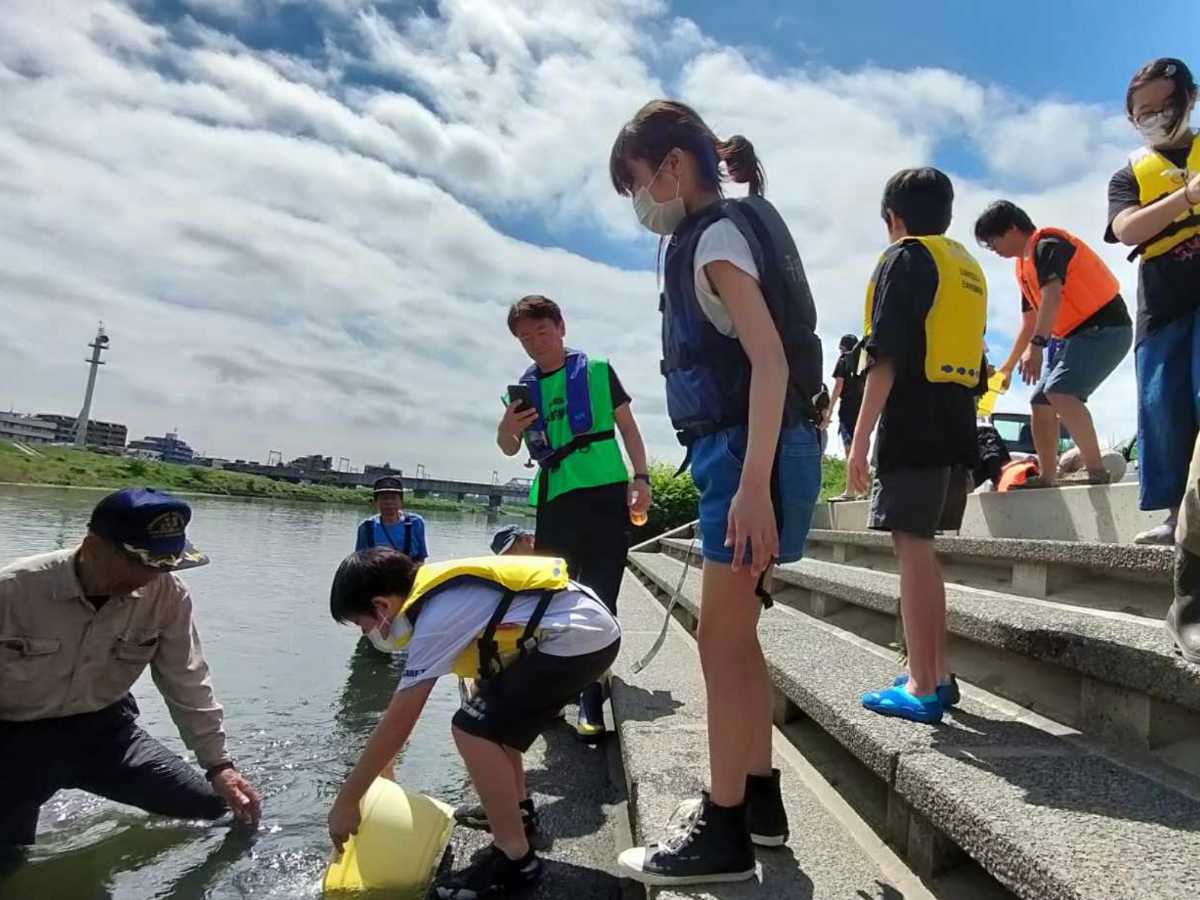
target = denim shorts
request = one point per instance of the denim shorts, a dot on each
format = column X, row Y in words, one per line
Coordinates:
column 717, row 470
column 1085, row 359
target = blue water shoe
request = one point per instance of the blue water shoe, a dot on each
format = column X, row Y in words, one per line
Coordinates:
column 948, row 692
column 899, row 703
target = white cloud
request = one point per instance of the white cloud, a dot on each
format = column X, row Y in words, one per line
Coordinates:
column 291, row 260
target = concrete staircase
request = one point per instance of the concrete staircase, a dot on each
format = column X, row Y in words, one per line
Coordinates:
column 1069, row 771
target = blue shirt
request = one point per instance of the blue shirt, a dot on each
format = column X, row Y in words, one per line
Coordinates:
column 407, row 535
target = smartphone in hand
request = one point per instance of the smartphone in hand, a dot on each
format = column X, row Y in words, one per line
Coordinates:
column 521, row 393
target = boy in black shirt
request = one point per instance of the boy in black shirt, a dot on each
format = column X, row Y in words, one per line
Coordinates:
column 925, row 390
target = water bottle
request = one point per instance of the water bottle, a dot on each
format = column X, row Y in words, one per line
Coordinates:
column 637, row 518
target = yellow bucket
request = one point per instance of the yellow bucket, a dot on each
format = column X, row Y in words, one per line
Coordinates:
column 399, row 843
column 987, row 403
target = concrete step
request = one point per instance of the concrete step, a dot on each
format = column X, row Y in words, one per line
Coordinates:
column 660, row 717
column 1109, row 674
column 1106, row 514
column 1050, row 813
column 1114, row 577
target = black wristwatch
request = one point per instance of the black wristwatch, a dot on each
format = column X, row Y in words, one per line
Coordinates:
column 214, row 771
column 642, row 476
column 1038, row 341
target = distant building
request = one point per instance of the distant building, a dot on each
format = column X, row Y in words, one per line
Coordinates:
column 519, row 482
column 314, row 463
column 109, row 435
column 168, row 447
column 379, row 471
column 26, row 429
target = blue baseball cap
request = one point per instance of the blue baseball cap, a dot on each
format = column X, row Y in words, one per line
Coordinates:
column 503, row 539
column 150, row 526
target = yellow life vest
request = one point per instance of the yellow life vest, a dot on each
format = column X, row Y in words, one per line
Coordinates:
column 957, row 320
column 1157, row 176
column 496, row 646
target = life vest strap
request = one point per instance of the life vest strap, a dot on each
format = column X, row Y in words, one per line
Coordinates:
column 489, row 650
column 529, row 642
column 555, row 459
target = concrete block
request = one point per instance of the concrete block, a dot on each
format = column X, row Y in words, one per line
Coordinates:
column 1030, row 579
column 839, row 553
column 823, row 605
column 1114, row 713
column 929, row 852
column 1107, row 514
column 850, row 516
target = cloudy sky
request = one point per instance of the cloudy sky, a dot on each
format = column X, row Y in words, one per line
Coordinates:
column 302, row 222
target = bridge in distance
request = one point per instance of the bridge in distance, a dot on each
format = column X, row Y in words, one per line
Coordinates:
column 423, row 486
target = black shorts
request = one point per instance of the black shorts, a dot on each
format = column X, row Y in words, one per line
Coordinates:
column 514, row 707
column 589, row 528
column 920, row 502
column 102, row 752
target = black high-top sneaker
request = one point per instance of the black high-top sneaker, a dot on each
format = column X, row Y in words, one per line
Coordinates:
column 715, row 847
column 765, row 814
column 492, row 875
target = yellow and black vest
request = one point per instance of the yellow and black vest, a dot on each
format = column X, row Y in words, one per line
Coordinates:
column 957, row 320
column 1156, row 177
column 496, row 646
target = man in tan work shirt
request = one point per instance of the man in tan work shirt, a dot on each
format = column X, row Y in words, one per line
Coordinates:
column 77, row 628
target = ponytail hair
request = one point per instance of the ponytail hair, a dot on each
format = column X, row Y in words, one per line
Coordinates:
column 664, row 125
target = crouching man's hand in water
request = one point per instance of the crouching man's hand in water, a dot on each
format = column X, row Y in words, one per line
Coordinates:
column 240, row 794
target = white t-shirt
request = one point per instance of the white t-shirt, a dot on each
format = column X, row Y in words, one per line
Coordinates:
column 720, row 240
column 575, row 624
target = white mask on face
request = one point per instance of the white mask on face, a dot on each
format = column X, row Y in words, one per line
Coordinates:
column 1162, row 129
column 398, row 634
column 661, row 218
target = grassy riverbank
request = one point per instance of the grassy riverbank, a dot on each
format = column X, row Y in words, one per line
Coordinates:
column 66, row 467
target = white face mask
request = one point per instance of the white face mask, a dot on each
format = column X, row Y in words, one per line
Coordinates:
column 399, row 633
column 1157, row 129
column 661, row 218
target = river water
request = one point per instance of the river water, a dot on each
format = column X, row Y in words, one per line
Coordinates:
column 300, row 692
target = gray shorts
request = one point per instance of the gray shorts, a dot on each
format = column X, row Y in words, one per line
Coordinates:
column 1086, row 358
column 920, row 502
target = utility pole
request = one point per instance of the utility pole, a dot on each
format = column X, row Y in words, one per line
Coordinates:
column 98, row 345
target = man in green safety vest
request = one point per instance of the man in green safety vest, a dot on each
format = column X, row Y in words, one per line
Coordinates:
column 583, row 492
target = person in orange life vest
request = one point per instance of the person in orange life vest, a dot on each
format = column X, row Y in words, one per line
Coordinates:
column 1154, row 207
column 1068, row 293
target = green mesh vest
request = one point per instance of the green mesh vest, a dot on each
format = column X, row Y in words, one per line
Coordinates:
column 592, row 466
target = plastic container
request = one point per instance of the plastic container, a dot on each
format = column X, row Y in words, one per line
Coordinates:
column 399, row 844
column 987, row 403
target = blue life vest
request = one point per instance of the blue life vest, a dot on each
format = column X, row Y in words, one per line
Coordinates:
column 579, row 405
column 707, row 373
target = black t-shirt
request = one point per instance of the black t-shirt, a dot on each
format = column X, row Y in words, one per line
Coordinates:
column 852, row 388
column 1168, row 285
column 1051, row 257
column 923, row 424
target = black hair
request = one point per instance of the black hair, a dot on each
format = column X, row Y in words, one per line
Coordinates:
column 533, row 307
column 998, row 218
column 664, row 125
column 365, row 575
column 923, row 198
column 847, row 342
column 1168, row 67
